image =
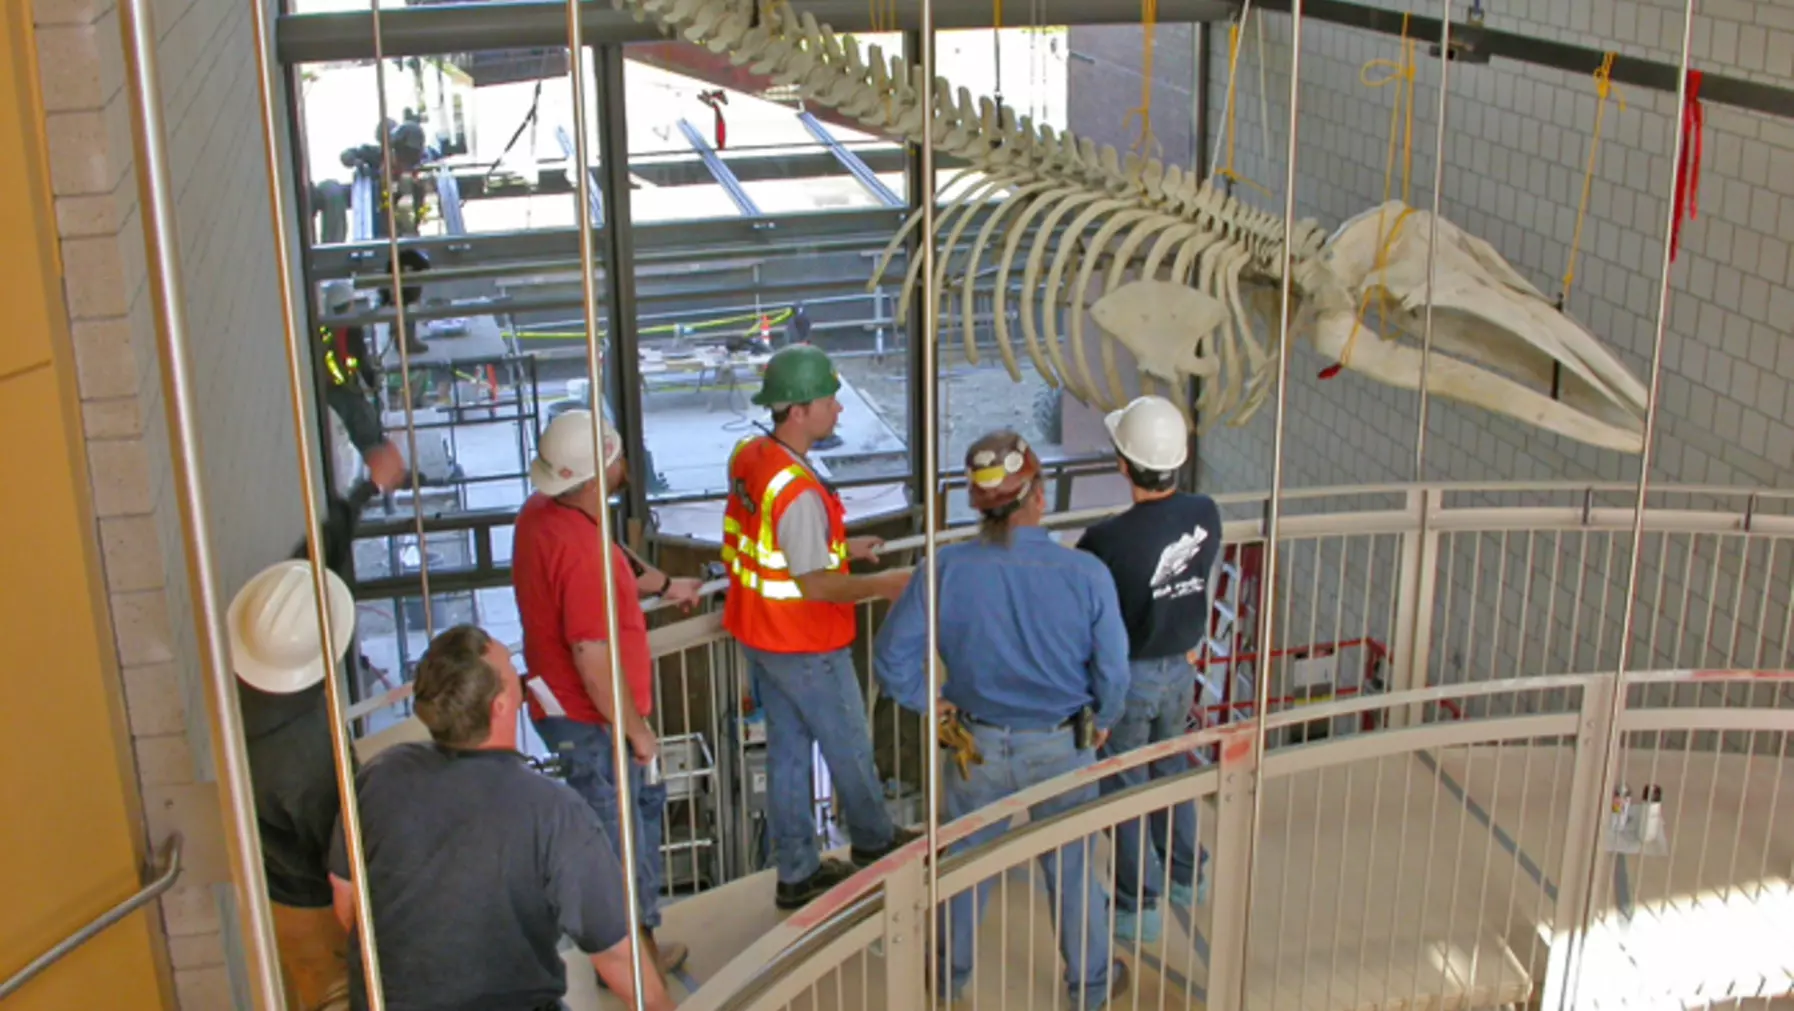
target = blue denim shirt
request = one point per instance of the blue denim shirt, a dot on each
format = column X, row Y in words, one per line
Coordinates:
column 1029, row 634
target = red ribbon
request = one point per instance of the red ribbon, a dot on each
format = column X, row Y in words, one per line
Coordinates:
column 1688, row 176
column 716, row 100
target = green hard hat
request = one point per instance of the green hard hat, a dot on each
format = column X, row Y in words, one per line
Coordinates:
column 797, row 374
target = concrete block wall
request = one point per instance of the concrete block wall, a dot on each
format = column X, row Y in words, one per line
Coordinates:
column 208, row 92
column 1515, row 149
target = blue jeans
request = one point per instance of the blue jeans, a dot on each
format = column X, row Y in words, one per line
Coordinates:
column 592, row 774
column 1013, row 761
column 814, row 699
column 1159, row 696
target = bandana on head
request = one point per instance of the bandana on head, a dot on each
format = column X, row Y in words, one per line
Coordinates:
column 1000, row 469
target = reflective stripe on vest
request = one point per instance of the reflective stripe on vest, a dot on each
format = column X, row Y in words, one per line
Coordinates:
column 756, row 562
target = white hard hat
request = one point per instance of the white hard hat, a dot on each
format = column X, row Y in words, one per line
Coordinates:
column 1151, row 433
column 337, row 295
column 274, row 627
column 564, row 458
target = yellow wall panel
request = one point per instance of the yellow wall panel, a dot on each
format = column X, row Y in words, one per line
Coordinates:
column 70, row 828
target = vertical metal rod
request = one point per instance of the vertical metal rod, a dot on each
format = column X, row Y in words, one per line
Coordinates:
column 403, row 338
column 1610, row 748
column 931, row 467
column 161, row 239
column 1426, row 330
column 1273, row 512
column 621, row 758
column 298, row 358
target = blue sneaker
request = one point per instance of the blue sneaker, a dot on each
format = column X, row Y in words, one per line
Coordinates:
column 1181, row 896
column 1145, row 924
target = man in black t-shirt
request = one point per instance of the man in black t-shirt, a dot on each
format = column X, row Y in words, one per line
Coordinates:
column 1161, row 553
column 477, row 864
column 275, row 654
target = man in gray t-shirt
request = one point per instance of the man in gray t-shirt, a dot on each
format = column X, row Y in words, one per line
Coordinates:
column 477, row 864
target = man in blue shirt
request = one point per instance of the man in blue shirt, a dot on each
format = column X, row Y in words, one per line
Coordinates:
column 1161, row 553
column 1033, row 636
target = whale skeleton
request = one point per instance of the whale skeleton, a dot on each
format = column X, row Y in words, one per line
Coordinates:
column 1182, row 275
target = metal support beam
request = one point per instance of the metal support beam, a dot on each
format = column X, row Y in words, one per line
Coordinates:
column 719, row 170
column 1640, row 73
column 726, row 237
column 619, row 280
column 850, row 161
column 594, row 177
column 456, row 28
column 917, row 191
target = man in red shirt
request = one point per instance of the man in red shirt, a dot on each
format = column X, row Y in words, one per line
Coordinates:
column 558, row 576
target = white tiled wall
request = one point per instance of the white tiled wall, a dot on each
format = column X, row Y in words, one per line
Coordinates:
column 207, row 61
column 1515, row 147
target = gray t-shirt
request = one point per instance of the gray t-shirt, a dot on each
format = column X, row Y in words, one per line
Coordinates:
column 477, row 865
column 803, row 534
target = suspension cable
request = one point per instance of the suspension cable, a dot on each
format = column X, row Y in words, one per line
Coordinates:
column 1604, row 89
column 1401, row 73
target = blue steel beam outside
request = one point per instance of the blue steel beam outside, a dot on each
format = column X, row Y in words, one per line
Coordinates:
column 850, row 161
column 448, row 193
column 719, row 170
column 361, row 209
column 593, row 190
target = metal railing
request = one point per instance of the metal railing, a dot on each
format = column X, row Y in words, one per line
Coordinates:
column 1417, row 865
column 1508, row 580
column 150, row 892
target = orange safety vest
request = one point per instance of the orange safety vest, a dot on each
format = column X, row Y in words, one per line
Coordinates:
column 765, row 609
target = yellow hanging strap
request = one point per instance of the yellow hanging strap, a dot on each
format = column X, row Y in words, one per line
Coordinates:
column 1401, row 128
column 1233, row 63
column 1145, row 142
column 1604, row 89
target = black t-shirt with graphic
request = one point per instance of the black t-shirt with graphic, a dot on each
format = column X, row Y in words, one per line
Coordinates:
column 1161, row 553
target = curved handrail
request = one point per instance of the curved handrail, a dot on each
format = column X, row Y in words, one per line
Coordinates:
column 1406, row 518
column 757, row 967
column 1078, row 516
column 171, row 869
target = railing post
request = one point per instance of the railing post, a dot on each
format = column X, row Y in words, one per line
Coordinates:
column 906, row 938
column 1229, row 868
column 1417, row 581
column 1582, row 836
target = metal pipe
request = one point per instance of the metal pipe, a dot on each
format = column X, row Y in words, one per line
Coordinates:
column 1273, row 507
column 171, row 870
column 1610, row 748
column 298, row 357
column 161, row 240
column 621, row 759
column 1426, row 331
column 447, row 28
column 931, row 519
column 399, row 316
column 1577, row 61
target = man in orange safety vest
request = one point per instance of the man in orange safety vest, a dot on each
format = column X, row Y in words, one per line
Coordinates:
column 791, row 606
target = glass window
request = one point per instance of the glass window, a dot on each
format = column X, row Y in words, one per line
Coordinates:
column 759, row 221
column 494, row 344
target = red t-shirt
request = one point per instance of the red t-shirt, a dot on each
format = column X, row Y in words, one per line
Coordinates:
column 558, row 578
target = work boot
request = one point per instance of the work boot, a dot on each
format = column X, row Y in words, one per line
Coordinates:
column 900, row 838
column 797, row 894
column 1119, row 981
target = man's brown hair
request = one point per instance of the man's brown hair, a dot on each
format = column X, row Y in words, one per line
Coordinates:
column 455, row 687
